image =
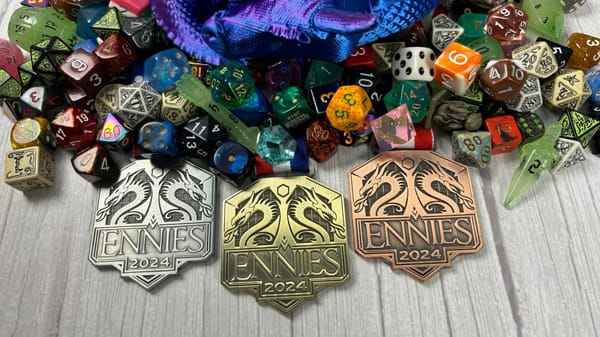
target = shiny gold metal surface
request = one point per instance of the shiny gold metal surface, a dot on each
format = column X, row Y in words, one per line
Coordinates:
column 29, row 132
column 415, row 210
column 284, row 239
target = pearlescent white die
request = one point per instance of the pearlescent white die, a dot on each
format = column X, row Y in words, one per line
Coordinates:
column 413, row 64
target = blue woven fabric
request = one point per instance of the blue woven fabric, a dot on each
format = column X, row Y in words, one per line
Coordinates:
column 217, row 30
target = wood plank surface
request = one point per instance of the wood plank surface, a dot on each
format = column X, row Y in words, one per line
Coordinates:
column 537, row 275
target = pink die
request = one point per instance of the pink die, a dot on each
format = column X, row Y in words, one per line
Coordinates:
column 10, row 57
column 130, row 7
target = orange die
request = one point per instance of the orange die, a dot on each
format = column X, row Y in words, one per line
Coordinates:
column 457, row 67
column 348, row 108
column 505, row 133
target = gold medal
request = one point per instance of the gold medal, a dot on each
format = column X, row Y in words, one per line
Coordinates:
column 415, row 210
column 284, row 239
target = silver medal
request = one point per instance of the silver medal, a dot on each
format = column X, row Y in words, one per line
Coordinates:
column 153, row 220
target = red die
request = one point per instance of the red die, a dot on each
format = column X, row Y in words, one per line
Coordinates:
column 506, row 22
column 116, row 54
column 322, row 140
column 95, row 164
column 85, row 71
column 79, row 98
column 505, row 133
column 362, row 57
column 74, row 128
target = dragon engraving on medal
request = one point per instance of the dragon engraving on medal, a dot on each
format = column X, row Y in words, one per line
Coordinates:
column 258, row 219
column 182, row 198
column 415, row 210
column 153, row 220
column 284, row 240
column 439, row 190
column 185, row 196
column 310, row 218
column 386, row 191
column 128, row 201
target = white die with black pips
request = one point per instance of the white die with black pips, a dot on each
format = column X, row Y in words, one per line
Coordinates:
column 413, row 63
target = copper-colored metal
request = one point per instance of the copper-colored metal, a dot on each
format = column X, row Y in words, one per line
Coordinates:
column 284, row 239
column 415, row 210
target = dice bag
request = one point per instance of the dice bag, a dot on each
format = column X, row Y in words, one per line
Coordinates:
column 217, row 30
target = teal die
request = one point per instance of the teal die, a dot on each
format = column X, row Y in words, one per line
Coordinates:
column 473, row 24
column 412, row 93
column 472, row 148
column 231, row 84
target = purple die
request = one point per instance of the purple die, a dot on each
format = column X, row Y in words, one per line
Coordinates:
column 164, row 68
column 283, row 74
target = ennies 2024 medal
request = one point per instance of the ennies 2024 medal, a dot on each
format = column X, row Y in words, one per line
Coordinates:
column 415, row 210
column 284, row 239
column 153, row 220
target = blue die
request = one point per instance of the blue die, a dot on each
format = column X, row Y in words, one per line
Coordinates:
column 592, row 77
column 164, row 68
column 157, row 139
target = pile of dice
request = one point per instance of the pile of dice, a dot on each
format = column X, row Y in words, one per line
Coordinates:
column 103, row 78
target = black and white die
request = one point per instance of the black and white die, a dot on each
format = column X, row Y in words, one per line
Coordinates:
column 413, row 63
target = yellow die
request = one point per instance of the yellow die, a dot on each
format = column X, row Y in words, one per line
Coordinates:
column 29, row 168
column 567, row 90
column 348, row 108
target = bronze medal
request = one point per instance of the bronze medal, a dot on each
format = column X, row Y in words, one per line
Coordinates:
column 284, row 239
column 415, row 210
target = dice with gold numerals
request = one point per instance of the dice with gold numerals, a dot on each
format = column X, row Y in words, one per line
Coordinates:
column 29, row 168
column 456, row 68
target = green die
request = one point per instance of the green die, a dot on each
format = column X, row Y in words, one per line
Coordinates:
column 577, row 126
column 488, row 48
column 231, row 84
column 412, row 93
column 321, row 73
column 546, row 17
column 47, row 56
column 291, row 108
column 9, row 86
column 30, row 25
column 472, row 148
column 473, row 25
column 108, row 24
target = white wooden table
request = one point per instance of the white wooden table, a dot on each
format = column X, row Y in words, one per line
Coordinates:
column 537, row 275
